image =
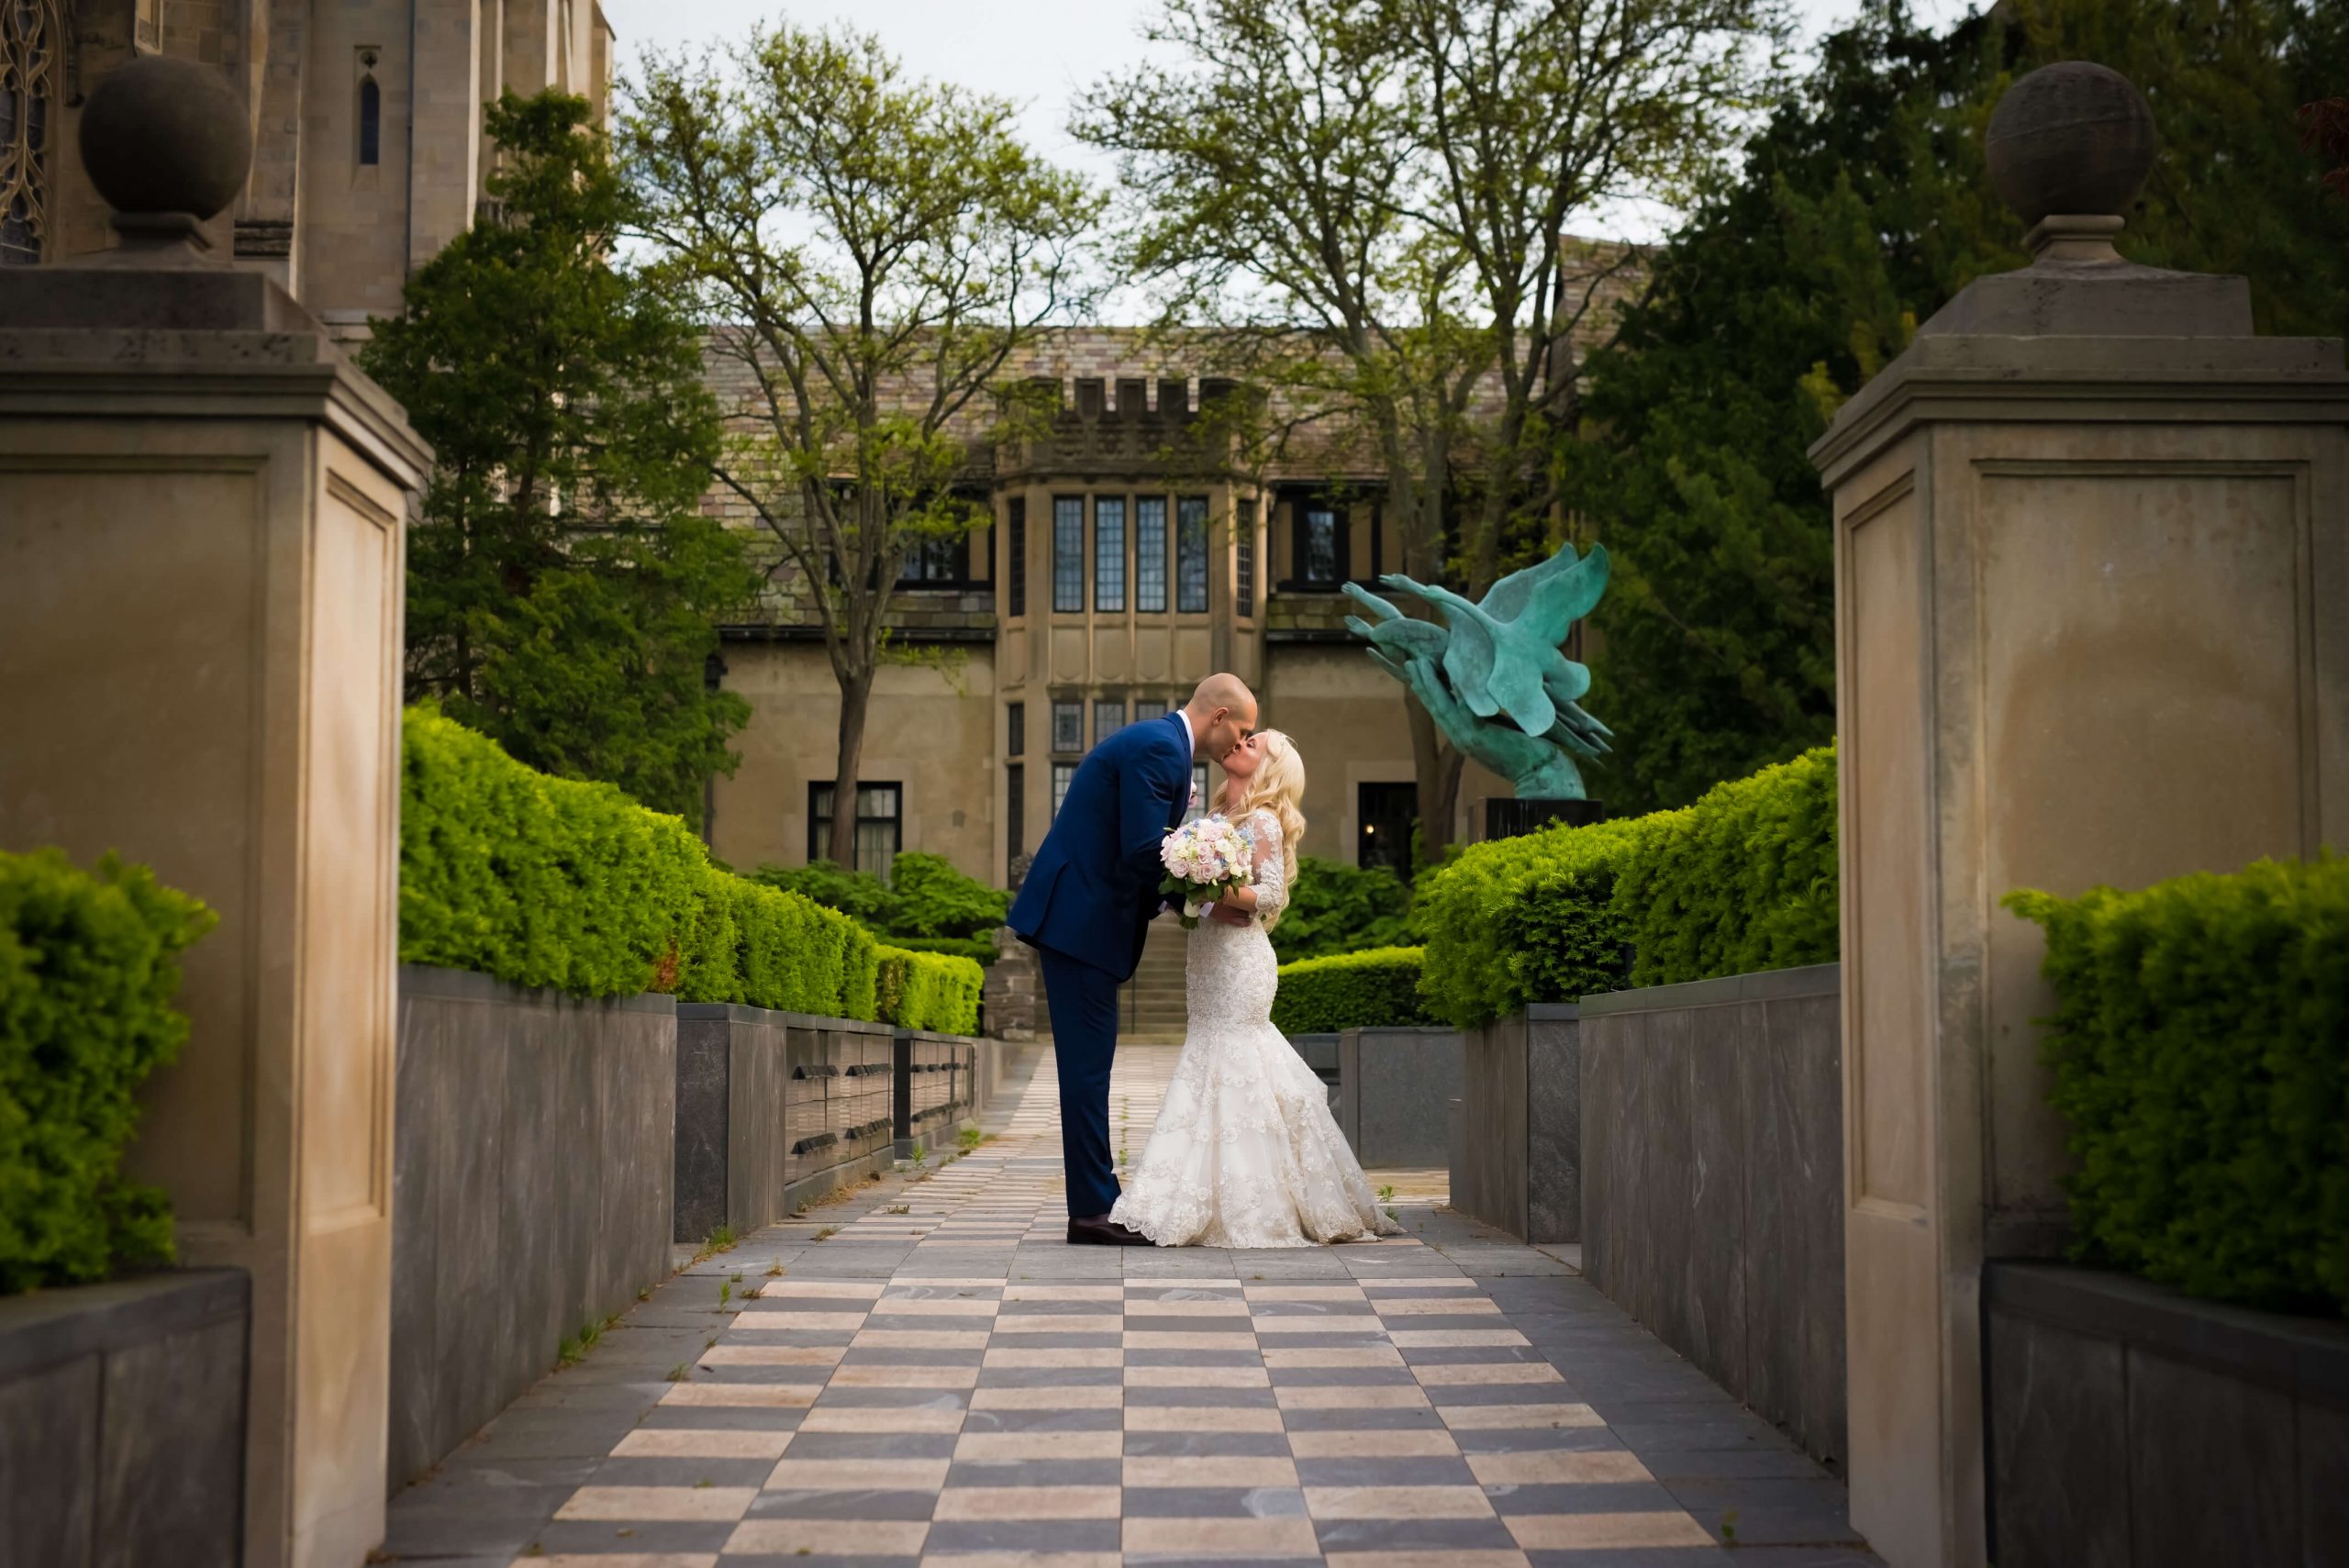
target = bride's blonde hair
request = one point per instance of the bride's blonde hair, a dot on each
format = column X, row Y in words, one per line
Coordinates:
column 1277, row 786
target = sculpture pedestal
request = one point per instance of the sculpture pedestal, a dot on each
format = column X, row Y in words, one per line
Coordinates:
column 200, row 600
column 1511, row 817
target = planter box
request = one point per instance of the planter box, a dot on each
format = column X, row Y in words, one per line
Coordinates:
column 1517, row 1160
column 2129, row 1427
column 774, row 1110
column 1712, row 1183
column 936, row 1089
column 533, row 1162
column 1395, row 1086
column 122, row 1422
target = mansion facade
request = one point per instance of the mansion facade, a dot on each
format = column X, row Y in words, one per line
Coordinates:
column 1103, row 585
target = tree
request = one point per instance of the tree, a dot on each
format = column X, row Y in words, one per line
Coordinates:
column 1856, row 211
column 1370, row 205
column 869, row 252
column 563, row 587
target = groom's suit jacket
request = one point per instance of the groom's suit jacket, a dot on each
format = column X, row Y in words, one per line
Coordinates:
column 1092, row 886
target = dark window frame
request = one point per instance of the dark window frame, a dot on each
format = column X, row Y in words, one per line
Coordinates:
column 1244, row 564
column 1063, row 707
column 371, row 122
column 1015, row 813
column 1015, row 730
column 1064, row 774
column 1015, row 565
column 819, row 823
column 1122, row 707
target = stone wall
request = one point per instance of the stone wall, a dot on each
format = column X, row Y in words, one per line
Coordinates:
column 1712, row 1166
column 1394, row 1092
column 532, row 1189
column 122, row 1422
column 774, row 1110
column 1517, row 1164
column 2130, row 1427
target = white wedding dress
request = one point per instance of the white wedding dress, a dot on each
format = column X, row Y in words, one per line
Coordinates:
column 1245, row 1152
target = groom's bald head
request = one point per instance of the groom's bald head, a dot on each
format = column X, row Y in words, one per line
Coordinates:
column 1222, row 712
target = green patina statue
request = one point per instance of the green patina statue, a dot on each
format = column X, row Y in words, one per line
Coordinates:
column 1492, row 676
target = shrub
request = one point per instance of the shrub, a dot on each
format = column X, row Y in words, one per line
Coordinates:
column 1334, row 908
column 552, row 881
column 930, row 899
column 1373, row 988
column 980, row 951
column 929, row 991
column 1742, row 879
column 2200, row 1051
column 537, row 881
column 89, row 968
column 925, row 895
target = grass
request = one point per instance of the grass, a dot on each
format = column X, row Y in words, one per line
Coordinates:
column 726, row 1292
column 901, row 1208
column 681, row 1373
column 569, row 1352
column 828, row 1232
column 774, row 1269
column 971, row 1138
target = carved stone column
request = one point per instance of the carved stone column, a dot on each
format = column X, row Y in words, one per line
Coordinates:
column 2092, row 626
column 201, row 536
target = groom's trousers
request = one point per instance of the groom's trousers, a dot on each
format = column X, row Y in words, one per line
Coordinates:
column 1082, row 1001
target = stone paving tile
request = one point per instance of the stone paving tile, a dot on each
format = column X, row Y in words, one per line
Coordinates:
column 953, row 1384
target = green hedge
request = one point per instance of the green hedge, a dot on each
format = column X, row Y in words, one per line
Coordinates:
column 89, row 968
column 1379, row 987
column 980, row 951
column 1334, row 908
column 925, row 896
column 929, row 991
column 2201, row 1050
column 1742, row 879
column 551, row 882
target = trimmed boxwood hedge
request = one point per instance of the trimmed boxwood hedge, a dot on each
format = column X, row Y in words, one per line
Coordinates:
column 2200, row 1051
column 89, row 971
column 1744, row 880
column 939, row 992
column 552, row 881
column 1373, row 988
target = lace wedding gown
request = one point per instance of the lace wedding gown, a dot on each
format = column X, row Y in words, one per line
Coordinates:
column 1245, row 1152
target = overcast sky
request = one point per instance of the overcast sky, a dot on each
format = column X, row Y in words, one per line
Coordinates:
column 1038, row 52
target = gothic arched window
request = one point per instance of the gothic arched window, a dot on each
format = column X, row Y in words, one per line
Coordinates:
column 31, row 36
column 371, row 123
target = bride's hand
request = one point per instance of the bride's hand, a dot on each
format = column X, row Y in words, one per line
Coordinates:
column 1224, row 914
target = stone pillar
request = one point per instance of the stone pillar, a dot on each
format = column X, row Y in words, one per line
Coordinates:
column 200, row 616
column 2092, row 627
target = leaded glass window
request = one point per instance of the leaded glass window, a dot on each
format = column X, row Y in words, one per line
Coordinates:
column 1068, row 554
column 32, row 38
column 1150, row 554
column 1109, row 552
column 1191, row 556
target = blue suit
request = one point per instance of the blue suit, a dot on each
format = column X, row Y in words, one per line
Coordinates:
column 1086, row 907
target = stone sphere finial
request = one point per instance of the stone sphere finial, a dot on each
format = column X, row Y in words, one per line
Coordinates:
column 2071, row 139
column 166, row 137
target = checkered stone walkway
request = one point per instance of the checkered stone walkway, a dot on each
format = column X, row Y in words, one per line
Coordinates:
column 935, row 1375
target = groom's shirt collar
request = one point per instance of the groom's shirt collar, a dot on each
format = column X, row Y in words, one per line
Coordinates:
column 1193, row 740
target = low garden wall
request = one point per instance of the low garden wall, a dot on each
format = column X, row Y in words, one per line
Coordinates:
column 936, row 1089
column 2130, row 1427
column 1712, row 1160
column 1395, row 1091
column 122, row 1421
column 774, row 1110
column 1518, row 1166
column 533, row 1165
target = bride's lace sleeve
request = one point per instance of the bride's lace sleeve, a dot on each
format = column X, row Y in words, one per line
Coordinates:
column 1271, row 865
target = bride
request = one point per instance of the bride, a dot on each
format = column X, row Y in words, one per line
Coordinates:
column 1245, row 1152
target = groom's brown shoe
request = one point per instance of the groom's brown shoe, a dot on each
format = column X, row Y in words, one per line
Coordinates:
column 1102, row 1231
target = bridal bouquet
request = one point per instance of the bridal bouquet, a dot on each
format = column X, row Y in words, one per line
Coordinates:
column 1203, row 858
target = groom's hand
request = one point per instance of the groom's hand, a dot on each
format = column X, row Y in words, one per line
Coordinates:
column 1225, row 915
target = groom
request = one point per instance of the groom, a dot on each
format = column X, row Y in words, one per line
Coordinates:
column 1086, row 906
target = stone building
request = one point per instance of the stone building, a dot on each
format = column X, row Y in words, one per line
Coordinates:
column 1116, row 567
column 366, row 115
